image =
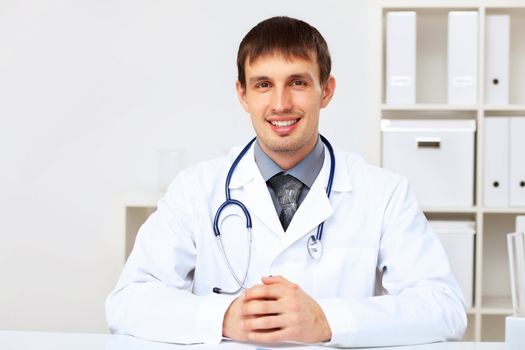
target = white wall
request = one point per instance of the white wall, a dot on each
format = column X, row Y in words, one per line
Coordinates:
column 89, row 90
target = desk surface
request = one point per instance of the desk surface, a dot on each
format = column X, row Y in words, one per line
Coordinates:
column 16, row 340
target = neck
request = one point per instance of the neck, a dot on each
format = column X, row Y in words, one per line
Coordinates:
column 286, row 160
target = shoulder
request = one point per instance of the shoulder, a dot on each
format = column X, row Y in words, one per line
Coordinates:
column 206, row 168
column 378, row 190
column 364, row 174
column 208, row 173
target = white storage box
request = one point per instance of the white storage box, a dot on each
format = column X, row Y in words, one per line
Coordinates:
column 457, row 238
column 437, row 157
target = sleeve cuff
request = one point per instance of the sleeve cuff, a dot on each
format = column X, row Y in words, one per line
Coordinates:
column 340, row 319
column 210, row 316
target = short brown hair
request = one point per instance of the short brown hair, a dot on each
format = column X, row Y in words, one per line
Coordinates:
column 288, row 36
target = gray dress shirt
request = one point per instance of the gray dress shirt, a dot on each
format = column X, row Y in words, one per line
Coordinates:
column 306, row 171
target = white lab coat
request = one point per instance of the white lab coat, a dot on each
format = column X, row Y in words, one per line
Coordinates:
column 383, row 279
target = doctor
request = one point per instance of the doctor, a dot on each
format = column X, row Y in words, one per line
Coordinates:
column 376, row 275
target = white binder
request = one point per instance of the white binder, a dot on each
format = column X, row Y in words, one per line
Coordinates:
column 497, row 59
column 457, row 238
column 462, row 57
column 401, row 57
column 496, row 162
column 517, row 162
column 520, row 223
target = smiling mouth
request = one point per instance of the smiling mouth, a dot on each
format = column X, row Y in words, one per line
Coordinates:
column 281, row 123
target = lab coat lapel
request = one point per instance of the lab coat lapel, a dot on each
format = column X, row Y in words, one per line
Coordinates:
column 317, row 207
column 254, row 193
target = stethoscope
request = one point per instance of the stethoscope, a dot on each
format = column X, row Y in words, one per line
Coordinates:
column 313, row 246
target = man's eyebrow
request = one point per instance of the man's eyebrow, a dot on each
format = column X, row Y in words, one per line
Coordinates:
column 305, row 75
column 258, row 78
column 301, row 76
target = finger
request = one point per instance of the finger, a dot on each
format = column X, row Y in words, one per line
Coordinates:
column 264, row 323
column 275, row 279
column 273, row 336
column 264, row 292
column 260, row 307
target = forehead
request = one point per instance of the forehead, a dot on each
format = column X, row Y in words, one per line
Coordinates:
column 277, row 63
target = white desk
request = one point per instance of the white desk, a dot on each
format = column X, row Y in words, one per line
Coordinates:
column 14, row 340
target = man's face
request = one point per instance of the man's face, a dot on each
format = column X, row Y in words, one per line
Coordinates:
column 284, row 98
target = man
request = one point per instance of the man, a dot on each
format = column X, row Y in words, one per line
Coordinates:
column 382, row 277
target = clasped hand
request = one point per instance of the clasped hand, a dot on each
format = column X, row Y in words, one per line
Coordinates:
column 275, row 311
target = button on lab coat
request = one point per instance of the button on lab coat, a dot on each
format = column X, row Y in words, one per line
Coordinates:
column 383, row 278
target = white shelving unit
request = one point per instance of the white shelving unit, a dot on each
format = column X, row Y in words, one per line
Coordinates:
column 492, row 300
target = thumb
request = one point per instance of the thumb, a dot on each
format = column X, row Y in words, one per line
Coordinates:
column 274, row 279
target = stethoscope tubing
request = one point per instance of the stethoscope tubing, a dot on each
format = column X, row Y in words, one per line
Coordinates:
column 234, row 202
column 229, row 200
column 239, row 282
column 319, row 233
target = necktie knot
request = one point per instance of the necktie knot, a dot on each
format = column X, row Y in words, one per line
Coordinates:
column 287, row 188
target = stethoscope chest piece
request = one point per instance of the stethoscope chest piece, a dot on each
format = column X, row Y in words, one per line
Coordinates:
column 315, row 248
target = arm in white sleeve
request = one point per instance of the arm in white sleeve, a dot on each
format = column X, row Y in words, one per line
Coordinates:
column 421, row 303
column 153, row 298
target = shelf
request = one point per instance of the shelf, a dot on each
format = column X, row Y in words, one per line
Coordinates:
column 437, row 107
column 505, row 108
column 424, row 107
column 504, row 210
column 455, row 210
column 505, row 6
column 417, row 5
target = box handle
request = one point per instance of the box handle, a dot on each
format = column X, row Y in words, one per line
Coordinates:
column 433, row 142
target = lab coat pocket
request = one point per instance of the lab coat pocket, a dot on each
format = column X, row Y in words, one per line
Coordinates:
column 345, row 272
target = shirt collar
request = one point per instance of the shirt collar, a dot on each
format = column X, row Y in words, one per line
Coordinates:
column 306, row 171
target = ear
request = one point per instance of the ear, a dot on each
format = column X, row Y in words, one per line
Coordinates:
column 328, row 91
column 241, row 94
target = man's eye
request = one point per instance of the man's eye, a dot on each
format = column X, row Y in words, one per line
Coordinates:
column 298, row 83
column 263, row 85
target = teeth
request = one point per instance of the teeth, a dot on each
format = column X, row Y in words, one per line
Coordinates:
column 284, row 122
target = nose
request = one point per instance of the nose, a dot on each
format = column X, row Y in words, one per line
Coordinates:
column 281, row 101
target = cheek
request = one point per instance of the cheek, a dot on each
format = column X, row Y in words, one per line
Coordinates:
column 258, row 107
column 311, row 109
column 307, row 102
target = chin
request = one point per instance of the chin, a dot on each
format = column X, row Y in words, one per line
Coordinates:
column 285, row 145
